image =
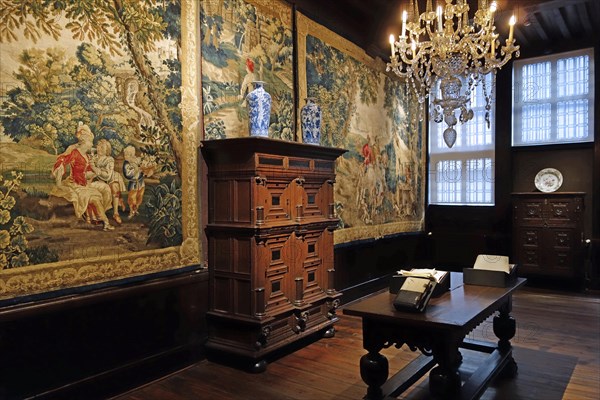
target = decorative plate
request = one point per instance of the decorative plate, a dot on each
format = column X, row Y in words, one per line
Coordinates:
column 548, row 180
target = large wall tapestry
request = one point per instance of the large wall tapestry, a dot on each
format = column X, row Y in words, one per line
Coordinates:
column 245, row 41
column 98, row 141
column 381, row 179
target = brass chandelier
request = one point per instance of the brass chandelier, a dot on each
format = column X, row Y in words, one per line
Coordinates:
column 440, row 47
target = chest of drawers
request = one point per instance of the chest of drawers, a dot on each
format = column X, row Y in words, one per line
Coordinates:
column 270, row 244
column 548, row 233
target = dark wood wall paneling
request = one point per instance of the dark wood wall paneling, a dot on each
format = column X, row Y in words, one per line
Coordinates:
column 96, row 344
column 363, row 267
column 578, row 163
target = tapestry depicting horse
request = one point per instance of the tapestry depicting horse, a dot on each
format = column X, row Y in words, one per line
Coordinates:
column 380, row 180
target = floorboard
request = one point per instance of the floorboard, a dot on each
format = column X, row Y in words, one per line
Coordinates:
column 557, row 348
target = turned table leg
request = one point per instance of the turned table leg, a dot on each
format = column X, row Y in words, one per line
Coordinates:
column 374, row 367
column 505, row 328
column 374, row 372
column 444, row 380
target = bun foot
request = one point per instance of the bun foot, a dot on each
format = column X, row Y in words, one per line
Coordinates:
column 258, row 367
column 329, row 333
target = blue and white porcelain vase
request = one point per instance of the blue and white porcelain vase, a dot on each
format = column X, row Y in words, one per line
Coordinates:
column 259, row 110
column 310, row 121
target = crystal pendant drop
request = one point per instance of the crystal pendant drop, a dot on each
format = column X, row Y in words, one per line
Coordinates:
column 450, row 137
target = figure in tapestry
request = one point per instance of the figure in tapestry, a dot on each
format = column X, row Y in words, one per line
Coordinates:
column 90, row 200
column 103, row 165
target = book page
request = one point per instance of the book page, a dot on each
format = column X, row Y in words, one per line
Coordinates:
column 415, row 285
column 427, row 273
column 492, row 263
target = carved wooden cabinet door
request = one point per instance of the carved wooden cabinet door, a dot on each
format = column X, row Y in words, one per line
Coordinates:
column 548, row 233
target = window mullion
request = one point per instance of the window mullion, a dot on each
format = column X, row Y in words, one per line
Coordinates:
column 553, row 101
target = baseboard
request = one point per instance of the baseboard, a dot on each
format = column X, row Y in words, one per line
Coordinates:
column 127, row 377
column 366, row 288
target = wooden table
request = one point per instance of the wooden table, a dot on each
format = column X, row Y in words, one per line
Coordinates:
column 438, row 333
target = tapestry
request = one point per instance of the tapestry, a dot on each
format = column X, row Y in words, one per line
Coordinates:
column 245, row 41
column 99, row 123
column 380, row 181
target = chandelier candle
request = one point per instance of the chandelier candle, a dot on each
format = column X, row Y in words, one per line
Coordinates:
column 511, row 23
column 447, row 63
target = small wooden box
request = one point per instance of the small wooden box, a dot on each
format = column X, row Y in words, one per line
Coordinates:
column 483, row 277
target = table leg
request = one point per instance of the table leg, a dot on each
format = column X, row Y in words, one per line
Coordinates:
column 444, row 380
column 505, row 328
column 374, row 371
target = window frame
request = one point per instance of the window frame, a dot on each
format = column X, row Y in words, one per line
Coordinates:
column 464, row 152
column 553, row 100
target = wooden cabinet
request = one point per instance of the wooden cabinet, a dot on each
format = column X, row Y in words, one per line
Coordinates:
column 270, row 244
column 548, row 233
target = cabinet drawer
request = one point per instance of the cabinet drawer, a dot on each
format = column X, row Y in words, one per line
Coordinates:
column 561, row 212
column 528, row 237
column 562, row 239
column 529, row 211
column 529, row 258
column 561, row 263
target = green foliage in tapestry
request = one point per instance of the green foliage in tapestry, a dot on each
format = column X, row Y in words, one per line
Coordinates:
column 113, row 66
column 84, row 89
column 335, row 80
column 13, row 229
column 164, row 210
column 240, row 44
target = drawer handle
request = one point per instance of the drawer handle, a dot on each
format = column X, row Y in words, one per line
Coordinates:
column 260, row 180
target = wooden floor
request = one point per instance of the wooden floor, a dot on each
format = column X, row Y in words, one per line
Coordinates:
column 557, row 348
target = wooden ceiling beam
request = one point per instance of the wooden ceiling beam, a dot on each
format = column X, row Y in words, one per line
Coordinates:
column 535, row 22
column 560, row 22
column 585, row 19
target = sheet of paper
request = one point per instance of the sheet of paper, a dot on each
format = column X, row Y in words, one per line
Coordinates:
column 492, row 263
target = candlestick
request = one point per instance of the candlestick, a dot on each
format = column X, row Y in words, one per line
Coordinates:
column 511, row 23
column 413, row 46
column 439, row 18
column 392, row 44
column 404, row 16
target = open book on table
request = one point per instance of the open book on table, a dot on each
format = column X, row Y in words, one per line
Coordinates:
column 427, row 273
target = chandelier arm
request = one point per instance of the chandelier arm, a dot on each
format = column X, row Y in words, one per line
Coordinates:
column 444, row 55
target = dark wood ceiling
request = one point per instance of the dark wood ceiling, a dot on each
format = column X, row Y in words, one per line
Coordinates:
column 543, row 26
